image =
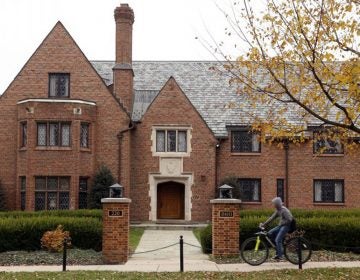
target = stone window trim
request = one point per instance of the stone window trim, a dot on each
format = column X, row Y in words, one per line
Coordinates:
column 187, row 129
column 54, row 85
column 241, row 150
column 329, row 191
column 57, row 142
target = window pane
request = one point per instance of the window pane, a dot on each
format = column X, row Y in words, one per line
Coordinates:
column 23, row 200
column 23, row 134
column 171, row 141
column 52, row 183
column 59, row 85
column 182, row 141
column 82, row 200
column 327, row 191
column 249, row 189
column 84, row 135
column 280, row 188
column 160, row 140
column 40, row 183
column 65, row 134
column 64, row 200
column 255, row 143
column 39, row 201
column 339, row 197
column 64, row 183
column 83, row 185
column 318, row 192
column 23, row 183
column 41, row 136
column 52, row 89
column 327, row 146
column 51, row 201
column 54, row 134
column 242, row 141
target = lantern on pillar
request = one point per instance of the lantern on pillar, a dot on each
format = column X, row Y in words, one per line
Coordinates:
column 116, row 191
column 225, row 192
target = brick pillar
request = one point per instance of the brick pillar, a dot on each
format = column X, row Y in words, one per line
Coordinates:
column 225, row 226
column 115, row 241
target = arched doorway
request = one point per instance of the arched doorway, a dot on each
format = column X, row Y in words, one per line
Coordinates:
column 170, row 200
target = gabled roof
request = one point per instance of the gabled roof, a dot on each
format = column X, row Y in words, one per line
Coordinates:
column 208, row 90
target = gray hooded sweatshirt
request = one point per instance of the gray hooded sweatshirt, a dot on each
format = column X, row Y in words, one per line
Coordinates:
column 281, row 212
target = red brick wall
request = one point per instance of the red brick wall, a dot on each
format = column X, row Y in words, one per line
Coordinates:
column 304, row 166
column 225, row 230
column 57, row 53
column 115, row 245
column 171, row 107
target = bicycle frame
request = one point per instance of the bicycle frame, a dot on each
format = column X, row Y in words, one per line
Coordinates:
column 258, row 238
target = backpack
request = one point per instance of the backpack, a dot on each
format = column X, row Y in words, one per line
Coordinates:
column 292, row 226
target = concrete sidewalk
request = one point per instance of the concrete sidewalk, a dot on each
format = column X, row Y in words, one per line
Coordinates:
column 171, row 265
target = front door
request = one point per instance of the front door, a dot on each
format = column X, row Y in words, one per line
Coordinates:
column 170, row 200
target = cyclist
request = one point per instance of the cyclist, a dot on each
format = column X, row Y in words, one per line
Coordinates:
column 278, row 233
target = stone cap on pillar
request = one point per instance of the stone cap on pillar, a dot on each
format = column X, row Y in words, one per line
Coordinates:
column 225, row 201
column 116, row 200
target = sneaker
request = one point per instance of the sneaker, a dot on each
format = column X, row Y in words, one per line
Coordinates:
column 277, row 258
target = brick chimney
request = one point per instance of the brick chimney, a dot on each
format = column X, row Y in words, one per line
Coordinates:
column 123, row 72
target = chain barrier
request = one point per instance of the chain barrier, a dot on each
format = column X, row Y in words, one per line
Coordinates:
column 157, row 249
column 192, row 245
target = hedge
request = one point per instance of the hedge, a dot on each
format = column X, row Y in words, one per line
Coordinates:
column 330, row 230
column 53, row 213
column 24, row 233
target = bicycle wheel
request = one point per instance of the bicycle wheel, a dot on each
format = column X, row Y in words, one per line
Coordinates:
column 291, row 250
column 254, row 251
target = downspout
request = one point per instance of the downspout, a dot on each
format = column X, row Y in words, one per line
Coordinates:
column 286, row 147
column 217, row 151
column 120, row 136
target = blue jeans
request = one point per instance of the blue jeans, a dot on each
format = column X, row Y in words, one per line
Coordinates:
column 277, row 234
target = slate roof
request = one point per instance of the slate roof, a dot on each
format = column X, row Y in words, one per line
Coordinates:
column 208, row 90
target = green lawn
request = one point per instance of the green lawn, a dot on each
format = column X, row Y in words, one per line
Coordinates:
column 330, row 273
column 135, row 236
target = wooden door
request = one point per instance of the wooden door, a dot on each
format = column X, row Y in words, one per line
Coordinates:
column 170, row 200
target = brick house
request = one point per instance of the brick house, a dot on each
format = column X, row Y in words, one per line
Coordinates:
column 164, row 129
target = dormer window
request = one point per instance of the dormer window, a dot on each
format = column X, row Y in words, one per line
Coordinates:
column 59, row 85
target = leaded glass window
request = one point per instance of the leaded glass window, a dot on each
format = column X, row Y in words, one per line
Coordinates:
column 249, row 190
column 280, row 188
column 325, row 145
column 245, row 142
column 83, row 192
column 53, row 134
column 22, row 192
column 172, row 141
column 182, row 141
column 330, row 191
column 59, row 85
column 65, row 134
column 84, row 135
column 52, row 193
column 41, row 134
column 160, row 141
column 23, row 133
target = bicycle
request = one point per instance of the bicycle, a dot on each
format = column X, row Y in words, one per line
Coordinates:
column 255, row 250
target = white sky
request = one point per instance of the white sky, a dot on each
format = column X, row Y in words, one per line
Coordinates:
column 163, row 29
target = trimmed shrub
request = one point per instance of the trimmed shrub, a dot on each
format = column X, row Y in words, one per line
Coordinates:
column 331, row 230
column 206, row 239
column 94, row 213
column 26, row 233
